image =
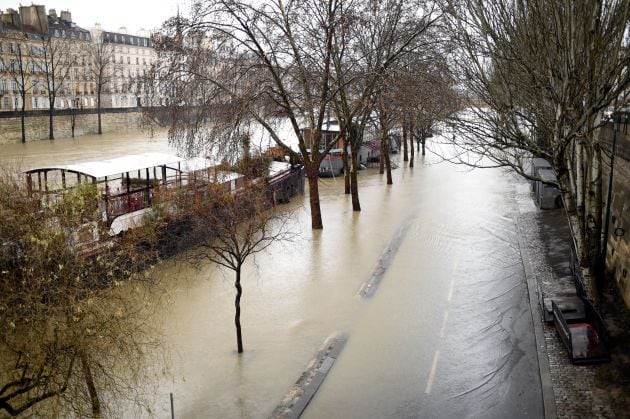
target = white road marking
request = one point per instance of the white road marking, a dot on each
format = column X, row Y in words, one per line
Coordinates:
column 427, row 390
column 443, row 329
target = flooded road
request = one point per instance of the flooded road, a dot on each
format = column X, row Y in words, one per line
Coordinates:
column 444, row 331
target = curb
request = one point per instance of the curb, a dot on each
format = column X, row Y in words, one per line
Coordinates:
column 549, row 401
column 295, row 402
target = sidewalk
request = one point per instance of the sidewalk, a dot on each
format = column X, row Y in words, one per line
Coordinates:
column 569, row 390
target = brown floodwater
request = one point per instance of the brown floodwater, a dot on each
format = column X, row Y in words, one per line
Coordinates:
column 451, row 294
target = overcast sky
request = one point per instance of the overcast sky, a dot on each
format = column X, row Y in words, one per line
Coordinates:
column 111, row 14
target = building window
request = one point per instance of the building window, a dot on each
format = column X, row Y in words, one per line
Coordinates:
column 16, row 103
column 145, row 42
column 6, row 102
column 128, row 60
column 137, row 60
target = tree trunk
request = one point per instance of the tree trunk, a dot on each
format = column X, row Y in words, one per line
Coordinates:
column 312, row 173
column 424, row 141
column 354, row 182
column 73, row 118
column 237, row 305
column 579, row 202
column 404, row 139
column 385, row 161
column 593, row 207
column 51, row 133
column 346, row 169
column 23, row 122
column 89, row 381
column 381, row 160
column 413, row 155
column 388, row 166
column 98, row 111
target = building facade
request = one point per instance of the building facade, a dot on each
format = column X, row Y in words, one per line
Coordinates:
column 45, row 56
column 44, row 59
column 131, row 59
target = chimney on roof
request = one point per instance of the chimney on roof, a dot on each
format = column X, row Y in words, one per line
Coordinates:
column 10, row 17
column 53, row 14
column 34, row 17
column 66, row 16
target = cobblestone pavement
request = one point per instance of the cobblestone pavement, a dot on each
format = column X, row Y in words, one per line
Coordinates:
column 573, row 386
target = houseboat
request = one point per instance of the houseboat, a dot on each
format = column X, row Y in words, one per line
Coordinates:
column 127, row 186
column 332, row 164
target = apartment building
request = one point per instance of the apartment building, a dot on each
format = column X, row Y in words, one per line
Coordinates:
column 43, row 57
column 132, row 57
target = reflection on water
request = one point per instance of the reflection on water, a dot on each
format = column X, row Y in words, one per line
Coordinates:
column 297, row 294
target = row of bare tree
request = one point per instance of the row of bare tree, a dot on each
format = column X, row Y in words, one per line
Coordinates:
column 48, row 66
column 277, row 64
column 543, row 71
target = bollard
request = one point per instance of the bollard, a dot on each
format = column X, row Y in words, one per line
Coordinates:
column 172, row 407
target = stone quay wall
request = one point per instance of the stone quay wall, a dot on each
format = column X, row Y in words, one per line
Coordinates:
column 86, row 123
column 618, row 251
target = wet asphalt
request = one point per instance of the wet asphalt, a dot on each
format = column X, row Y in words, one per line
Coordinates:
column 447, row 329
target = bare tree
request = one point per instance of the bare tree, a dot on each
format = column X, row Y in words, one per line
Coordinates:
column 16, row 64
column 102, row 69
column 370, row 40
column 543, row 71
column 237, row 226
column 387, row 116
column 56, row 65
column 426, row 94
column 275, row 69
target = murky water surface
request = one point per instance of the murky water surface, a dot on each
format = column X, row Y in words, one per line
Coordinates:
column 446, row 332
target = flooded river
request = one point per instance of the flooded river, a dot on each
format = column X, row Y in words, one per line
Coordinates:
column 446, row 332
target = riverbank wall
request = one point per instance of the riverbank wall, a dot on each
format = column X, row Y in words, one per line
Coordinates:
column 85, row 123
column 618, row 250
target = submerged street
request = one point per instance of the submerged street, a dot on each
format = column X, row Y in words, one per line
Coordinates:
column 446, row 330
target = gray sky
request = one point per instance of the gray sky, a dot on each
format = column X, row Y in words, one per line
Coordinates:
column 111, row 14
